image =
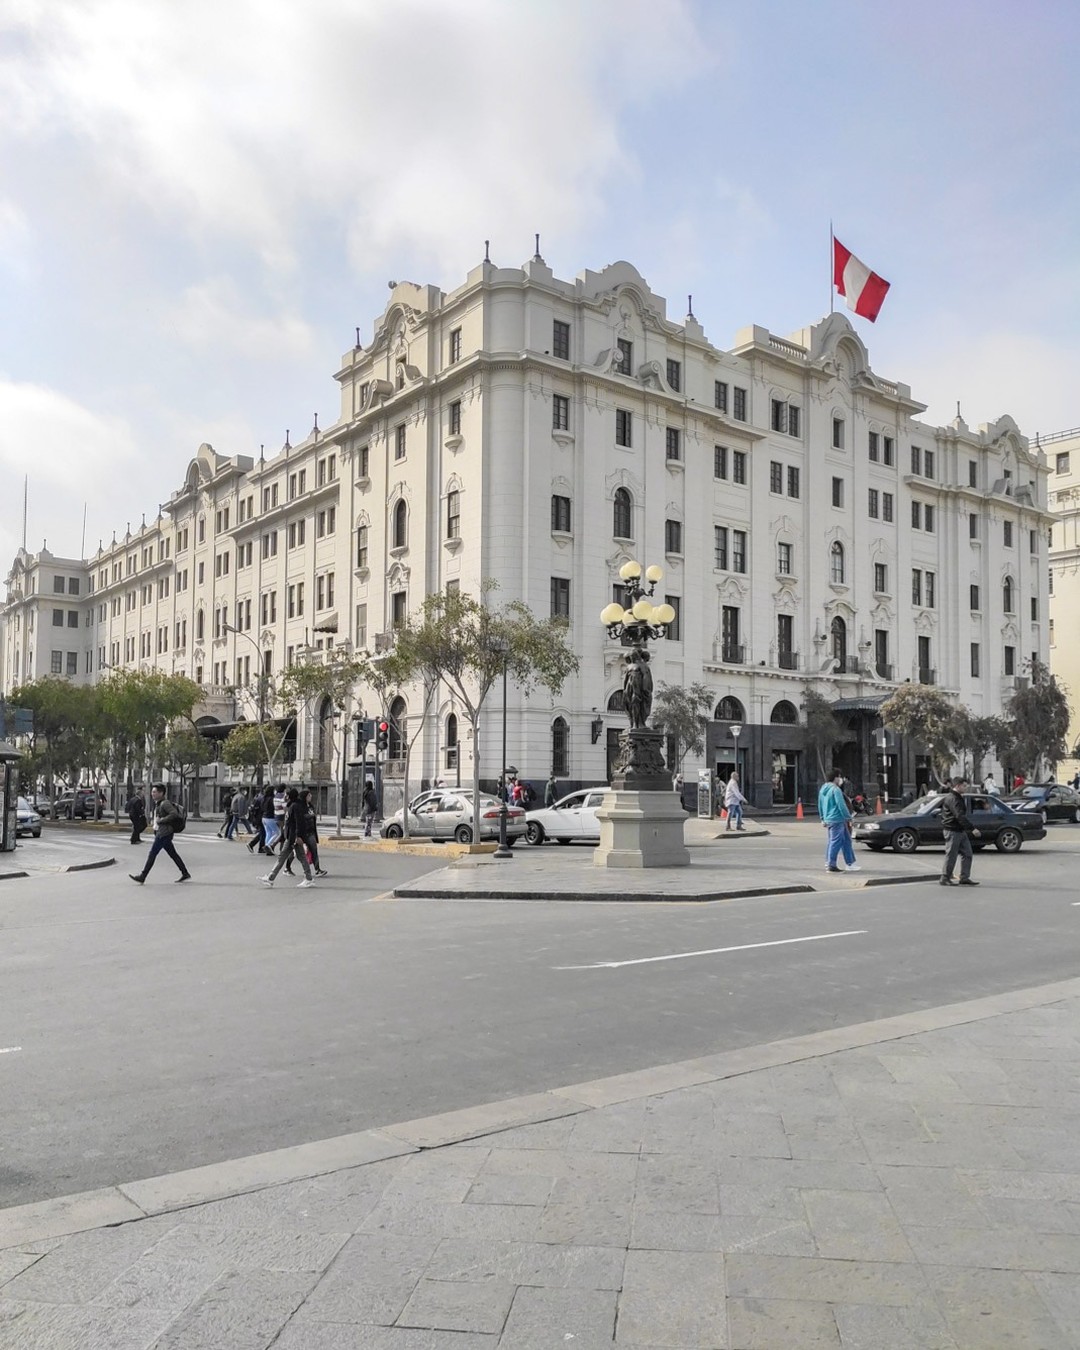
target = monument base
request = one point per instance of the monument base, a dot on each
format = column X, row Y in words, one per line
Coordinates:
column 641, row 829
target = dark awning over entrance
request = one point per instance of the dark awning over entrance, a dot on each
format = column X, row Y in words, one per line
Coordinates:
column 217, row 731
column 870, row 704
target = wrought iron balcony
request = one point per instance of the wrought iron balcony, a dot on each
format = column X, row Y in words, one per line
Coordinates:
column 927, row 676
column 787, row 660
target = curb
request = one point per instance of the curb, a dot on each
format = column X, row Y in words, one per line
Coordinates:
column 114, row 1205
column 450, row 849
column 12, row 876
column 417, row 892
column 90, row 866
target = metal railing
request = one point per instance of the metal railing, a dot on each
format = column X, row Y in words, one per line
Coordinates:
column 927, row 676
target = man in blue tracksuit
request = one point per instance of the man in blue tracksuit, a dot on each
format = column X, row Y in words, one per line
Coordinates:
column 835, row 815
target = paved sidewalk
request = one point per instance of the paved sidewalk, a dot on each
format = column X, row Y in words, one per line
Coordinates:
column 912, row 1182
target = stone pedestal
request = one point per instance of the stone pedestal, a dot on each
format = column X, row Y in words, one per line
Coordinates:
column 641, row 829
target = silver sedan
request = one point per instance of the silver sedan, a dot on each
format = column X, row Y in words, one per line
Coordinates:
column 447, row 813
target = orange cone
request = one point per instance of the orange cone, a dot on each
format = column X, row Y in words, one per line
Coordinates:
column 799, row 810
column 878, row 808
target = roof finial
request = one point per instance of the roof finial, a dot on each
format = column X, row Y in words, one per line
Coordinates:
column 689, row 306
column 262, row 452
column 315, row 428
column 487, row 250
column 537, row 257
column 357, row 348
column 958, row 413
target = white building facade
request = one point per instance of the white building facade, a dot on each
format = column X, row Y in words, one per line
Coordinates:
column 1062, row 451
column 540, row 433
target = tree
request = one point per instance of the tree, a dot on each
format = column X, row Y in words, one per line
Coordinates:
column 141, row 704
column 467, row 642
column 251, row 746
column 823, row 729
column 184, row 751
column 682, row 714
column 63, row 714
column 1038, row 719
column 929, row 717
column 977, row 735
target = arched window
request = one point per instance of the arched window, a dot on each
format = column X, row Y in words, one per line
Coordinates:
column 325, row 753
column 622, row 517
column 729, row 709
column 784, row 714
column 396, row 734
column 617, row 702
column 451, row 741
column 838, row 632
column 1007, row 595
column 560, row 748
column 400, row 533
column 836, row 563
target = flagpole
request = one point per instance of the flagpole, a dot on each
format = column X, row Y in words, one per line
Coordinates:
column 832, row 280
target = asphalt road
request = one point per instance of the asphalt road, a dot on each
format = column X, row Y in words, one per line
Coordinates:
column 145, row 1030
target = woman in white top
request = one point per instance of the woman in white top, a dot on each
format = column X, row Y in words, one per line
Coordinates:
column 733, row 801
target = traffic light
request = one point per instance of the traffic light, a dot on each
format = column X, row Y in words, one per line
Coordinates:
column 382, row 742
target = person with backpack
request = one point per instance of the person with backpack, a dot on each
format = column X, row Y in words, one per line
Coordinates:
column 371, row 807
column 169, row 820
column 294, row 845
column 135, row 808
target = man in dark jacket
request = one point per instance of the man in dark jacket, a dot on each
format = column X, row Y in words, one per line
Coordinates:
column 166, row 817
column 136, row 813
column 958, row 831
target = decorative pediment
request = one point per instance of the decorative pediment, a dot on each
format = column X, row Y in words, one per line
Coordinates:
column 882, row 615
column 398, row 575
column 783, row 525
column 362, row 520
column 1010, row 632
column 785, row 597
column 453, row 484
column 925, row 621
column 840, row 608
column 266, row 637
column 561, row 485
column 732, row 591
column 623, row 478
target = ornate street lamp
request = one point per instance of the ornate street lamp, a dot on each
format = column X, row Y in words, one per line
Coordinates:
column 640, row 763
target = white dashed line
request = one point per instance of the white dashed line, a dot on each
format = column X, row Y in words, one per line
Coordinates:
column 713, row 951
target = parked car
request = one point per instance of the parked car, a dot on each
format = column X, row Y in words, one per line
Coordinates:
column 447, row 813
column 42, row 805
column 572, row 817
column 920, row 824
column 27, row 820
column 1055, row 801
column 82, row 804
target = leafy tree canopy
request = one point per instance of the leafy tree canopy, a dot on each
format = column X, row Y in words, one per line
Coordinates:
column 683, row 715
column 1038, row 719
column 928, row 716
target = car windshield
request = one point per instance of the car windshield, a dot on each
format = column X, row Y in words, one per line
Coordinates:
column 1031, row 792
column 922, row 806
column 24, row 805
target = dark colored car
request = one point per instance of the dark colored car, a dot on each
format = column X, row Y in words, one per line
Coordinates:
column 1054, row 801
column 920, row 824
column 82, row 804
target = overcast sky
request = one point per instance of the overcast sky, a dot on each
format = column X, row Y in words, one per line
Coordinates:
column 199, row 201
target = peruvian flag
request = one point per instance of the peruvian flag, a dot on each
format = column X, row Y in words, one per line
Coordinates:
column 864, row 290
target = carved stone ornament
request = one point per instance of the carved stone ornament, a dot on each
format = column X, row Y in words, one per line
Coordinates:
column 640, row 764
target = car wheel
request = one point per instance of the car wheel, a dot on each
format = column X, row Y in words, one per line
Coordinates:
column 511, row 842
column 876, row 848
column 394, row 832
column 463, row 834
column 534, row 832
column 37, row 834
column 905, row 841
column 1076, row 815
column 1008, row 841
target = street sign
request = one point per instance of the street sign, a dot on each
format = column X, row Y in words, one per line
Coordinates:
column 15, row 721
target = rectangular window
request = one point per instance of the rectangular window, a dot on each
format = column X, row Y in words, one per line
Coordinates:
column 1010, row 660
column 560, row 340
column 364, row 461
column 738, row 466
column 720, row 547
column 672, row 536
column 1050, row 627
column 560, row 515
column 929, row 587
column 881, row 652
column 73, row 614
column 738, row 404
column 928, row 518
column 453, row 421
column 1050, row 581
column 874, row 447
column 560, row 413
column 329, row 590
column 785, row 640
column 58, row 585
column 838, row 433
column 1033, row 541
column 792, row 481
column 916, row 586
column 72, row 663
column 730, row 646
column 776, row 476
column 361, row 627
column 361, row 546
column 973, row 473
column 916, row 460
column 269, row 544
column 56, row 663
column 1007, row 533
column 975, row 660
column 623, row 424
column 1034, row 609
column 926, row 674
column 720, row 391
column 973, row 597
column 1061, row 463
column 674, row 628
column 928, row 463
column 673, row 443
column 916, row 515
column 888, row 451
column 291, row 495
column 873, row 503
column 779, row 415
column 720, row 457
column 624, row 356
column 973, row 525
column 453, row 515
column 560, row 597
column 886, row 506
column 399, row 441
column 881, row 578
column 738, row 550
column 837, row 492
column 794, row 419
column 455, row 345
column 297, row 531
column 783, row 559
column 674, row 375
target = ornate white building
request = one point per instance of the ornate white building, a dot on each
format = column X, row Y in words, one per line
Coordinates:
column 1062, row 451
column 540, row 432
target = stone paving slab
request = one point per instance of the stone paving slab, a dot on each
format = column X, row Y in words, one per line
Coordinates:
column 709, row 1212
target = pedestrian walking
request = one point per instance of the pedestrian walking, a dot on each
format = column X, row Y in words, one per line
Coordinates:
column 135, row 809
column 168, row 821
column 550, row 792
column 835, row 815
column 280, row 805
column 255, row 820
column 294, row 845
column 734, row 801
column 958, row 834
column 371, row 807
column 226, row 806
column 238, row 806
column 270, row 831
column 990, row 787
column 309, row 830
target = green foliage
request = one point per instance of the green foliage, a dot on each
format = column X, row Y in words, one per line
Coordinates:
column 929, row 717
column 184, row 751
column 252, row 746
column 66, row 720
column 823, row 729
column 1038, row 719
column 332, row 675
column 683, row 715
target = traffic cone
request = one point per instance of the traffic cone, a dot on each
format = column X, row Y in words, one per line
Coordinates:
column 878, row 808
column 799, row 810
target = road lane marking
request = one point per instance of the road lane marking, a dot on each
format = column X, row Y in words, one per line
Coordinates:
column 10, row 1049
column 714, row 951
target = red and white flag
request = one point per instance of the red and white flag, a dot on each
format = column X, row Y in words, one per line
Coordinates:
column 864, row 290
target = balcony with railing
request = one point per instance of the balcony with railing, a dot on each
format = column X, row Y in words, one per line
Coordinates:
column 729, row 653
column 847, row 665
column 884, row 670
column 788, row 660
column 927, row 676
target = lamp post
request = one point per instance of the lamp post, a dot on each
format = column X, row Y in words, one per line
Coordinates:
column 736, row 731
column 230, row 628
column 504, row 850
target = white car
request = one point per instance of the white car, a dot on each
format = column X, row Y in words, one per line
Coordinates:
column 573, row 817
column 27, row 820
column 447, row 813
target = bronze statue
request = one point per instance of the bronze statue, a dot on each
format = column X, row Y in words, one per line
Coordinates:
column 637, row 687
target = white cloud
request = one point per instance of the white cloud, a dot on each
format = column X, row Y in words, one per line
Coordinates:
column 212, row 315
column 14, row 240
column 413, row 125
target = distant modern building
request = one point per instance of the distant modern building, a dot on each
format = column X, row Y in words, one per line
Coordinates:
column 539, row 432
column 1062, row 451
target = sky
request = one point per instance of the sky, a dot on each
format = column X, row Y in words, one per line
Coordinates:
column 200, row 202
